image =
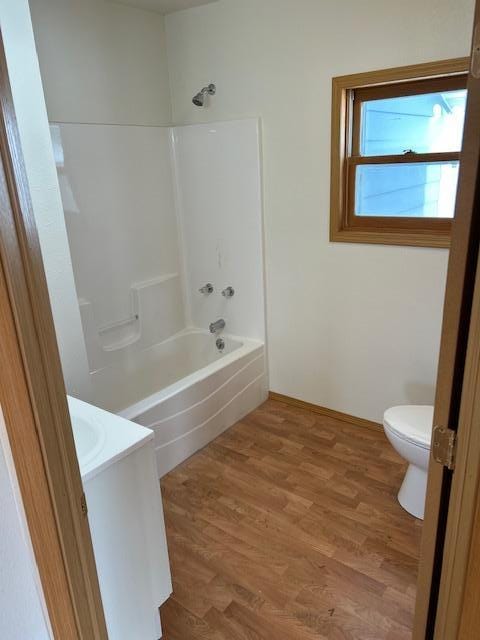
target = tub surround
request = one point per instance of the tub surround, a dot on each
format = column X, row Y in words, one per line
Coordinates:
column 118, row 198
column 156, row 314
column 219, row 205
column 151, row 357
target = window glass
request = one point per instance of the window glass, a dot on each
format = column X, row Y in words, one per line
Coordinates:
column 418, row 190
column 423, row 123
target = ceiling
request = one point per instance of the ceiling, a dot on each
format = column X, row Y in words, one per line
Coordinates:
column 164, row 6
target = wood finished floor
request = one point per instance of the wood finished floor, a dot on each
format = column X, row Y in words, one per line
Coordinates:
column 287, row 527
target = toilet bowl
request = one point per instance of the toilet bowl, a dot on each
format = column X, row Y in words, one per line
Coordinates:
column 409, row 430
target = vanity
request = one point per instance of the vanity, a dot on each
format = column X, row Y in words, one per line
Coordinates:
column 125, row 513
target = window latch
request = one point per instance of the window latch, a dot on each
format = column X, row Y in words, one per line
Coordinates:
column 407, row 152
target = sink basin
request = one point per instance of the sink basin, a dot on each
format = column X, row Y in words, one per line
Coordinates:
column 88, row 438
column 102, row 438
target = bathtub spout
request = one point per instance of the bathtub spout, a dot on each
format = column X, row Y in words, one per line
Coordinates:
column 218, row 325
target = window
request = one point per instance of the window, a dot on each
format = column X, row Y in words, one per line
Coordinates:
column 396, row 139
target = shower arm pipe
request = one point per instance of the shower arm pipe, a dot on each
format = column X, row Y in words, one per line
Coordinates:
column 211, row 89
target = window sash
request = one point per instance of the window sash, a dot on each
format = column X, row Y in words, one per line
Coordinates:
column 397, row 90
column 437, row 225
column 407, row 158
column 354, row 159
column 348, row 94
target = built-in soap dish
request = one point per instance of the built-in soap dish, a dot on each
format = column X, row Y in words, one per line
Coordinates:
column 120, row 334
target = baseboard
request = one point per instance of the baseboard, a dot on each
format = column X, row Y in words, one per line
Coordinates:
column 323, row 411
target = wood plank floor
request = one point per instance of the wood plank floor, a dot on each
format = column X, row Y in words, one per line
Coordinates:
column 287, row 527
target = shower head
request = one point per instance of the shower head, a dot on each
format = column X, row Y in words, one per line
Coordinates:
column 199, row 99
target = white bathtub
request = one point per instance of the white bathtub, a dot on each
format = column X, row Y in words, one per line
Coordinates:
column 185, row 390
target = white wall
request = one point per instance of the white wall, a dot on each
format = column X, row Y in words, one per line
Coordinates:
column 22, row 609
column 102, row 62
column 220, row 208
column 351, row 327
column 47, row 206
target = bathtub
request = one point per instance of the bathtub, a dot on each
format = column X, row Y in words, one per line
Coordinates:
column 185, row 390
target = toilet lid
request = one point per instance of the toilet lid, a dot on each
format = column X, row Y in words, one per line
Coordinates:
column 411, row 422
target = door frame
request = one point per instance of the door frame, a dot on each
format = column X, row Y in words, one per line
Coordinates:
column 452, row 495
column 34, row 405
column 33, row 400
column 460, row 585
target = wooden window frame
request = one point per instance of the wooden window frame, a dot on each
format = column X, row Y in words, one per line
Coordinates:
column 345, row 226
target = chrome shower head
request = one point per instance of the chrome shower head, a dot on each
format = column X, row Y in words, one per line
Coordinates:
column 199, row 99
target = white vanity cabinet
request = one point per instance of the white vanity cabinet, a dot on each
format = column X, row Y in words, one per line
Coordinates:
column 125, row 513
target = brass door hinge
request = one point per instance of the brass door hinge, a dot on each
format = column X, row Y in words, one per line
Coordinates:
column 444, row 444
column 83, row 504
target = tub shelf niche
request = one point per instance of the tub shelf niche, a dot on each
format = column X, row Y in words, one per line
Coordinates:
column 120, row 334
column 156, row 314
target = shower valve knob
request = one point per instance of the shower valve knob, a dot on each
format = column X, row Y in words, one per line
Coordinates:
column 207, row 289
column 229, row 292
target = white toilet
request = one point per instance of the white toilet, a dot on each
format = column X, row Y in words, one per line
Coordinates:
column 409, row 429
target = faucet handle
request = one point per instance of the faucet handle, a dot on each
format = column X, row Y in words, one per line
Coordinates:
column 229, row 292
column 207, row 289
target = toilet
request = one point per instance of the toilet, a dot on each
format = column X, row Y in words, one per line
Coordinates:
column 409, row 430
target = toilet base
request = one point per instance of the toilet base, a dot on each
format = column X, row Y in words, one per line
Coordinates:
column 413, row 491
